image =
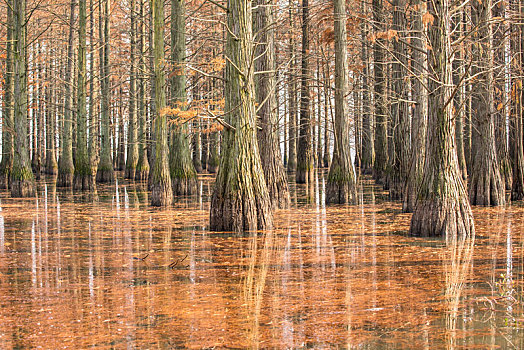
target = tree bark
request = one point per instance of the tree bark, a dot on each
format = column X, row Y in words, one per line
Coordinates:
column 304, row 172
column 442, row 207
column 132, row 145
column 486, row 186
column 65, row 162
column 142, row 167
column 22, row 180
column 105, row 171
column 6, row 165
column 161, row 191
column 240, row 200
column 83, row 180
column 380, row 141
column 183, row 173
column 420, row 112
column 341, row 184
column 268, row 140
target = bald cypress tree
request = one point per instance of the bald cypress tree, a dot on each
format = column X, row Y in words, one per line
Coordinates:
column 183, row 173
column 161, row 192
column 240, row 198
column 341, row 183
column 22, row 180
column 442, row 204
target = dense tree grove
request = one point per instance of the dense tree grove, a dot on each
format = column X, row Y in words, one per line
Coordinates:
column 424, row 96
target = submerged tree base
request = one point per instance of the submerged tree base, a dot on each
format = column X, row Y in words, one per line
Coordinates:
column 141, row 174
column 130, row 173
column 184, row 186
column 487, row 188
column 341, row 186
column 22, row 188
column 104, row 175
column 161, row 194
column 64, row 179
column 84, row 183
column 448, row 218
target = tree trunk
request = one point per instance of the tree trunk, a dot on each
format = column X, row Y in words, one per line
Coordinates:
column 486, row 186
column 341, row 184
column 83, row 180
column 268, row 140
column 380, row 141
column 240, row 199
column 22, row 181
column 442, row 207
column 6, row 165
column 105, row 171
column 327, row 119
column 400, row 147
column 183, row 173
column 142, row 167
column 161, row 191
column 420, row 112
column 304, row 172
column 51, row 166
column 94, row 130
column 517, row 45
column 292, row 92
column 65, row 163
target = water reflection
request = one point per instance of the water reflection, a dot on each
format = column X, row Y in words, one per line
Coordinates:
column 111, row 272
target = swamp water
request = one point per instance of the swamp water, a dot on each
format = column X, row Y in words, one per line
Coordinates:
column 110, row 272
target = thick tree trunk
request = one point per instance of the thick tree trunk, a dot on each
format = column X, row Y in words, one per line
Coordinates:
column 420, row 112
column 105, row 171
column 161, row 191
column 380, row 141
column 304, row 172
column 268, row 140
column 183, row 173
column 51, row 166
column 22, row 180
column 442, row 207
column 94, row 130
column 65, row 162
column 240, row 199
column 142, row 167
column 83, row 180
column 341, row 184
column 486, row 186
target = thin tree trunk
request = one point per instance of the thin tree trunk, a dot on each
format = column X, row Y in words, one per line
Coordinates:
column 380, row 141
column 420, row 111
column 105, row 171
column 65, row 163
column 6, row 165
column 142, row 167
column 292, row 92
column 304, row 172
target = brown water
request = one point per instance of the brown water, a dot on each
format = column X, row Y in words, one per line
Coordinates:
column 108, row 271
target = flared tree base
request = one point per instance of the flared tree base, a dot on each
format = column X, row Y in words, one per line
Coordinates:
column 22, row 188
column 240, row 211
column 130, row 173
column 341, row 186
column 304, row 176
column 486, row 187
column 84, row 183
column 51, row 168
column 104, row 175
column 64, row 179
column 184, row 186
column 442, row 218
column 161, row 194
column 141, row 175
column 4, row 179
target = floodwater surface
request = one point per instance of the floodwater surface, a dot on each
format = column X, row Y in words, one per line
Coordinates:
column 108, row 271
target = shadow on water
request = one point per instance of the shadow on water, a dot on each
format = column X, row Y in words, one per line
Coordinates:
column 106, row 270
